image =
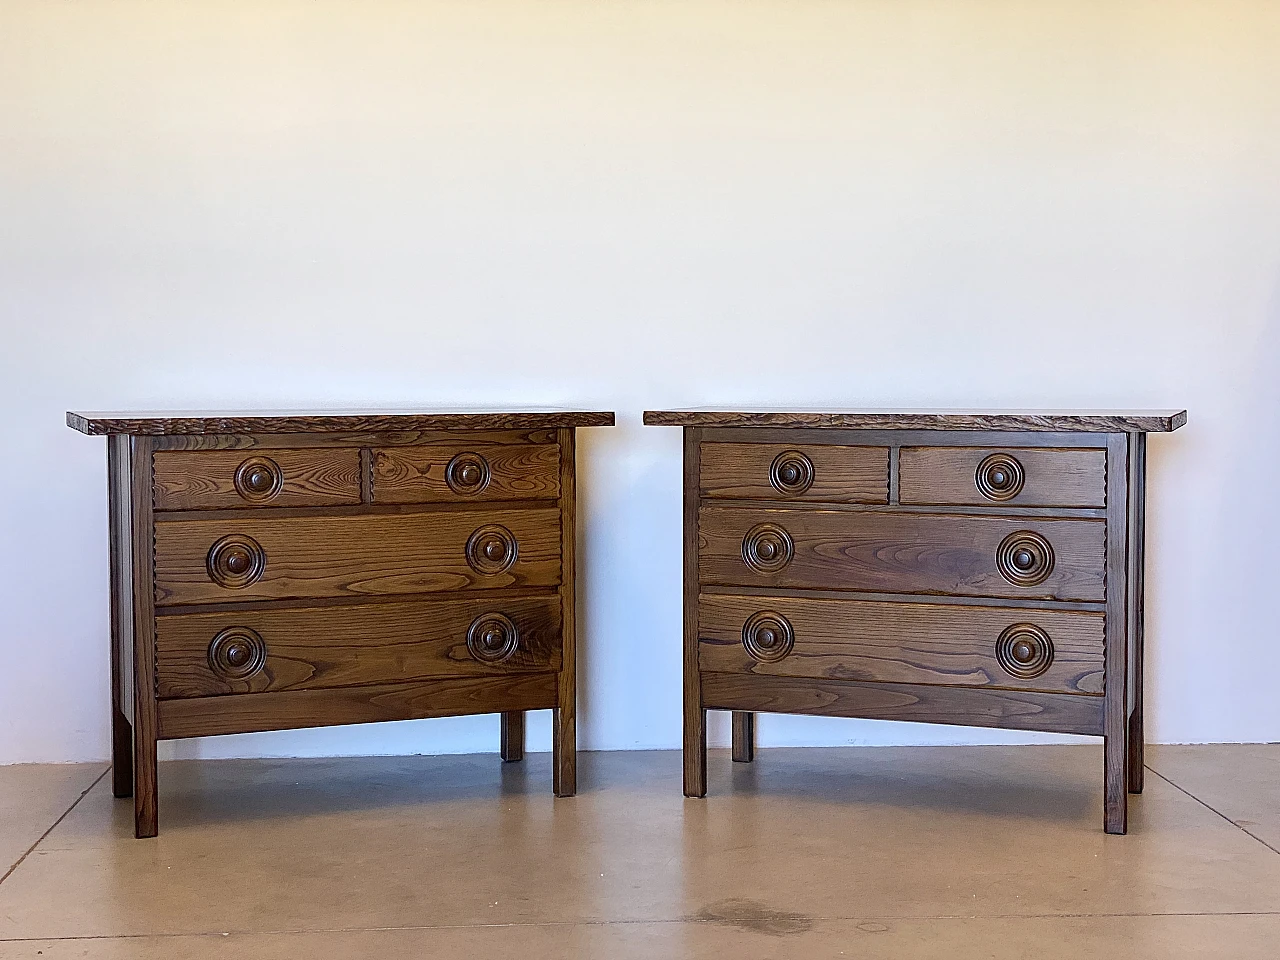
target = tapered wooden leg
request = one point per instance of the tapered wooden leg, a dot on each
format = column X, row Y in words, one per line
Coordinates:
column 513, row 735
column 145, row 786
column 744, row 736
column 564, row 752
column 695, row 750
column 1116, row 799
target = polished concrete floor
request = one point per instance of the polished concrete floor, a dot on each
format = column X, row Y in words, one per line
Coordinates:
column 955, row 852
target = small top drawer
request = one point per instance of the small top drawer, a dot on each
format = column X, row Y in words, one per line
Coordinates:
column 778, row 471
column 458, row 471
column 1013, row 476
column 216, row 479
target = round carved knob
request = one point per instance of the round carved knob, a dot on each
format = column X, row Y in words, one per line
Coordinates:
column 1024, row 558
column 1024, row 651
column 492, row 638
column 491, row 549
column 237, row 653
column 467, row 474
column 258, row 479
column 768, row 636
column 236, row 561
column 767, row 548
column 999, row 477
column 791, row 473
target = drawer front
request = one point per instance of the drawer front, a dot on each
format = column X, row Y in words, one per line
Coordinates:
column 255, row 651
column 451, row 472
column 773, row 471
column 1016, row 477
column 1023, row 557
column 217, row 479
column 1048, row 650
column 210, row 561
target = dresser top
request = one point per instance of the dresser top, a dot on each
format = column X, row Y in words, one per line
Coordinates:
column 167, row 423
column 1057, row 421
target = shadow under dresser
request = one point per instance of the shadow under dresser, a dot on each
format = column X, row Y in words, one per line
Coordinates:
column 278, row 571
column 974, row 568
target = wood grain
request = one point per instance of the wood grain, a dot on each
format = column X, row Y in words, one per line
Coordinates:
column 1052, row 477
column 355, row 556
column 695, row 712
column 743, row 737
column 187, row 480
column 355, row 644
column 145, row 722
column 164, row 423
column 1090, row 421
column 902, row 643
column 1116, row 722
column 1136, row 605
column 343, row 438
column 119, row 506
column 898, row 552
column 840, row 473
column 511, row 736
column 966, row 706
column 564, row 720
column 413, row 700
column 417, row 474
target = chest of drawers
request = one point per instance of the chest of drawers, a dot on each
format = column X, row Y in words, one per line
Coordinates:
column 983, row 569
column 271, row 572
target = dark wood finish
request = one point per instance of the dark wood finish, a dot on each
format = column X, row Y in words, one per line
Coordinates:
column 1099, row 421
column 564, row 721
column 1137, row 616
column 162, row 423
column 898, row 552
column 837, row 473
column 902, row 643
column 512, row 736
column 186, row 480
column 744, row 736
column 1116, row 722
column 411, row 700
column 1047, row 477
column 145, row 723
column 450, row 472
column 355, row 556
column 922, row 703
column 119, row 502
column 695, row 713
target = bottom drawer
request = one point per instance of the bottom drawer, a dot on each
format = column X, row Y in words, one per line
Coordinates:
column 277, row 648
column 1054, row 651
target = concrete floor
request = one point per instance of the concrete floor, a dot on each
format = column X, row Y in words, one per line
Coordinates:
column 952, row 852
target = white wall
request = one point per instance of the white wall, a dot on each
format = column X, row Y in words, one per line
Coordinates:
column 642, row 204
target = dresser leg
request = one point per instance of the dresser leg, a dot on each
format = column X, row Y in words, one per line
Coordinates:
column 744, row 736
column 145, row 799
column 1116, row 801
column 695, row 751
column 121, row 754
column 513, row 735
column 564, row 751
column 1137, row 613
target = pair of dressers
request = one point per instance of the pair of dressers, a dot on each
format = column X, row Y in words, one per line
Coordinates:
column 272, row 572
column 983, row 569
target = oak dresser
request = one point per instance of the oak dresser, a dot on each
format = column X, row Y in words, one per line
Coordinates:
column 277, row 571
column 983, row 569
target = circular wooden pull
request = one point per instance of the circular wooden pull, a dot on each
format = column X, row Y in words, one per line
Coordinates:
column 999, row 477
column 767, row 548
column 492, row 638
column 467, row 474
column 492, row 549
column 1024, row 651
column 258, row 479
column 236, row 561
column 767, row 636
column 237, row 653
column 1024, row 558
column 791, row 473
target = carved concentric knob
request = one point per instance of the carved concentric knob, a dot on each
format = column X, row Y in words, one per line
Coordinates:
column 1024, row 651
column 236, row 561
column 791, row 473
column 768, row 636
column 1024, row 558
column 767, row 548
column 999, row 477
column 258, row 479
column 237, row 653
column 492, row 638
column 467, row 474
column 492, row 549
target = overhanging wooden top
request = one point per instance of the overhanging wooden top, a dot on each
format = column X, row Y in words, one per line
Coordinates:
column 158, row 424
column 1056, row 421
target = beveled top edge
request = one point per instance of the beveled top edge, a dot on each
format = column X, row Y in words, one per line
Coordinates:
column 1055, row 421
column 159, row 424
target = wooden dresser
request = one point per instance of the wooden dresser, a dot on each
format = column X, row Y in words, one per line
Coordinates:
column 270, row 572
column 983, row 569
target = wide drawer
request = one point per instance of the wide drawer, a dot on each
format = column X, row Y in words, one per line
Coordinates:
column 445, row 472
column 1017, row 477
column 1023, row 557
column 1027, row 649
column 217, row 479
column 232, row 559
column 253, row 651
column 777, row 471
